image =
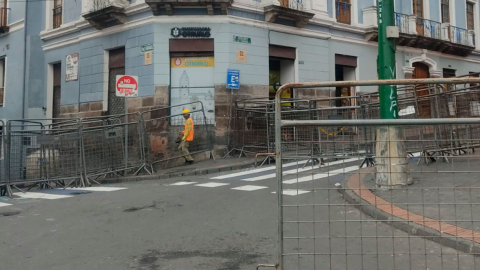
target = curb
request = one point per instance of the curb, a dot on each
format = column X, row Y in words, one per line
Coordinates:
column 206, row 171
column 411, row 228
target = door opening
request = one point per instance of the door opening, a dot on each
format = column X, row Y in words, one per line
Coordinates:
column 57, row 90
column 422, row 72
column 116, row 66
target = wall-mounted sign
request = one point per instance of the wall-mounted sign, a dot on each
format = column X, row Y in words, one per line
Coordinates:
column 233, row 79
column 301, row 62
column 241, row 56
column 190, row 32
column 126, row 86
column 242, row 39
column 71, row 67
column 147, row 47
column 148, row 58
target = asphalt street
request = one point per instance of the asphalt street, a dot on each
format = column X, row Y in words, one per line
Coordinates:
column 218, row 221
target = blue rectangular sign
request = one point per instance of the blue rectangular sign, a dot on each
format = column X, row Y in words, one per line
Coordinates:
column 233, row 79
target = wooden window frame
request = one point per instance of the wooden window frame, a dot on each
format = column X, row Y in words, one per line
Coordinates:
column 344, row 8
column 57, row 14
column 445, row 7
column 470, row 13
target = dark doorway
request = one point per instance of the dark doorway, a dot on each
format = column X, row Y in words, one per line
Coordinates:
column 116, row 66
column 57, row 90
column 345, row 70
column 281, row 69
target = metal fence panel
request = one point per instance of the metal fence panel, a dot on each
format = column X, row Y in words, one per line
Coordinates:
column 337, row 215
column 40, row 154
column 161, row 131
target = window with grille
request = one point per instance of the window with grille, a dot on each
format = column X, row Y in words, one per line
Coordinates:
column 470, row 16
column 57, row 13
column 343, row 11
column 2, row 81
column 445, row 11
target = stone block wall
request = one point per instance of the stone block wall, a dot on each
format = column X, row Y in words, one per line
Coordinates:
column 222, row 111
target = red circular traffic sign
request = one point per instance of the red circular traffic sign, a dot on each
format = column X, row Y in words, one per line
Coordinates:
column 127, row 86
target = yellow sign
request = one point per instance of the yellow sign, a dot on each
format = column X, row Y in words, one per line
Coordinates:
column 241, row 56
column 148, row 58
column 193, row 62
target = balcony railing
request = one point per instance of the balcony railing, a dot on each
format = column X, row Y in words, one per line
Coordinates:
column 57, row 17
column 429, row 28
column 96, row 5
column 343, row 11
column 402, row 22
column 461, row 36
column 105, row 13
column 292, row 4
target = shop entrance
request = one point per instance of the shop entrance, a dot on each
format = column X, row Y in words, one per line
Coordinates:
column 281, row 69
column 345, row 70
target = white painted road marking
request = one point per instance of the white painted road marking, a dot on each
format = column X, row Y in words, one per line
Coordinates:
column 212, row 184
column 36, row 195
column 102, row 189
column 293, row 192
column 182, row 183
column 319, row 176
column 4, row 204
column 257, row 170
column 249, row 188
column 294, row 171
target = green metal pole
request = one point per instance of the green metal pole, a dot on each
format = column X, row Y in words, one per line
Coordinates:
column 386, row 59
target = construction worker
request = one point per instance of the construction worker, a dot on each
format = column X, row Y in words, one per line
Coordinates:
column 187, row 137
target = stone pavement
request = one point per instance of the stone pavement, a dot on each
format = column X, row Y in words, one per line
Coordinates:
column 441, row 205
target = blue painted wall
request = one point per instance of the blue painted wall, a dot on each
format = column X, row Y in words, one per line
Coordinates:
column 11, row 48
column 72, row 11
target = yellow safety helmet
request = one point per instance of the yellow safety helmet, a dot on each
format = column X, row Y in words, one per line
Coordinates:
column 186, row 111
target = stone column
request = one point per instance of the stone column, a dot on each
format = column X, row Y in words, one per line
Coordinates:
column 445, row 31
column 412, row 24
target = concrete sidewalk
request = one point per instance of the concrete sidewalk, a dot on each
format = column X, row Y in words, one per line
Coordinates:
column 199, row 168
column 441, row 205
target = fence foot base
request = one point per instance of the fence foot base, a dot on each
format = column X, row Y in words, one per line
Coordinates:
column 143, row 167
column 369, row 161
column 242, row 152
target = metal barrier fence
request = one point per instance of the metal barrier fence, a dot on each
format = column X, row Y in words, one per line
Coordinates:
column 337, row 215
column 161, row 131
column 254, row 126
column 76, row 152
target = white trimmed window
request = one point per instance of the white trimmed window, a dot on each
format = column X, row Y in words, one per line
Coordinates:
column 54, row 14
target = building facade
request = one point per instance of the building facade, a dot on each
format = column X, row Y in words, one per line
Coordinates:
column 59, row 58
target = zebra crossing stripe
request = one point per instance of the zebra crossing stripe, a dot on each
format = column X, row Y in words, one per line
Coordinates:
column 249, row 188
column 319, row 176
column 293, row 192
column 4, row 204
column 258, row 170
column 182, row 183
column 37, row 195
column 294, row 171
column 100, row 189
